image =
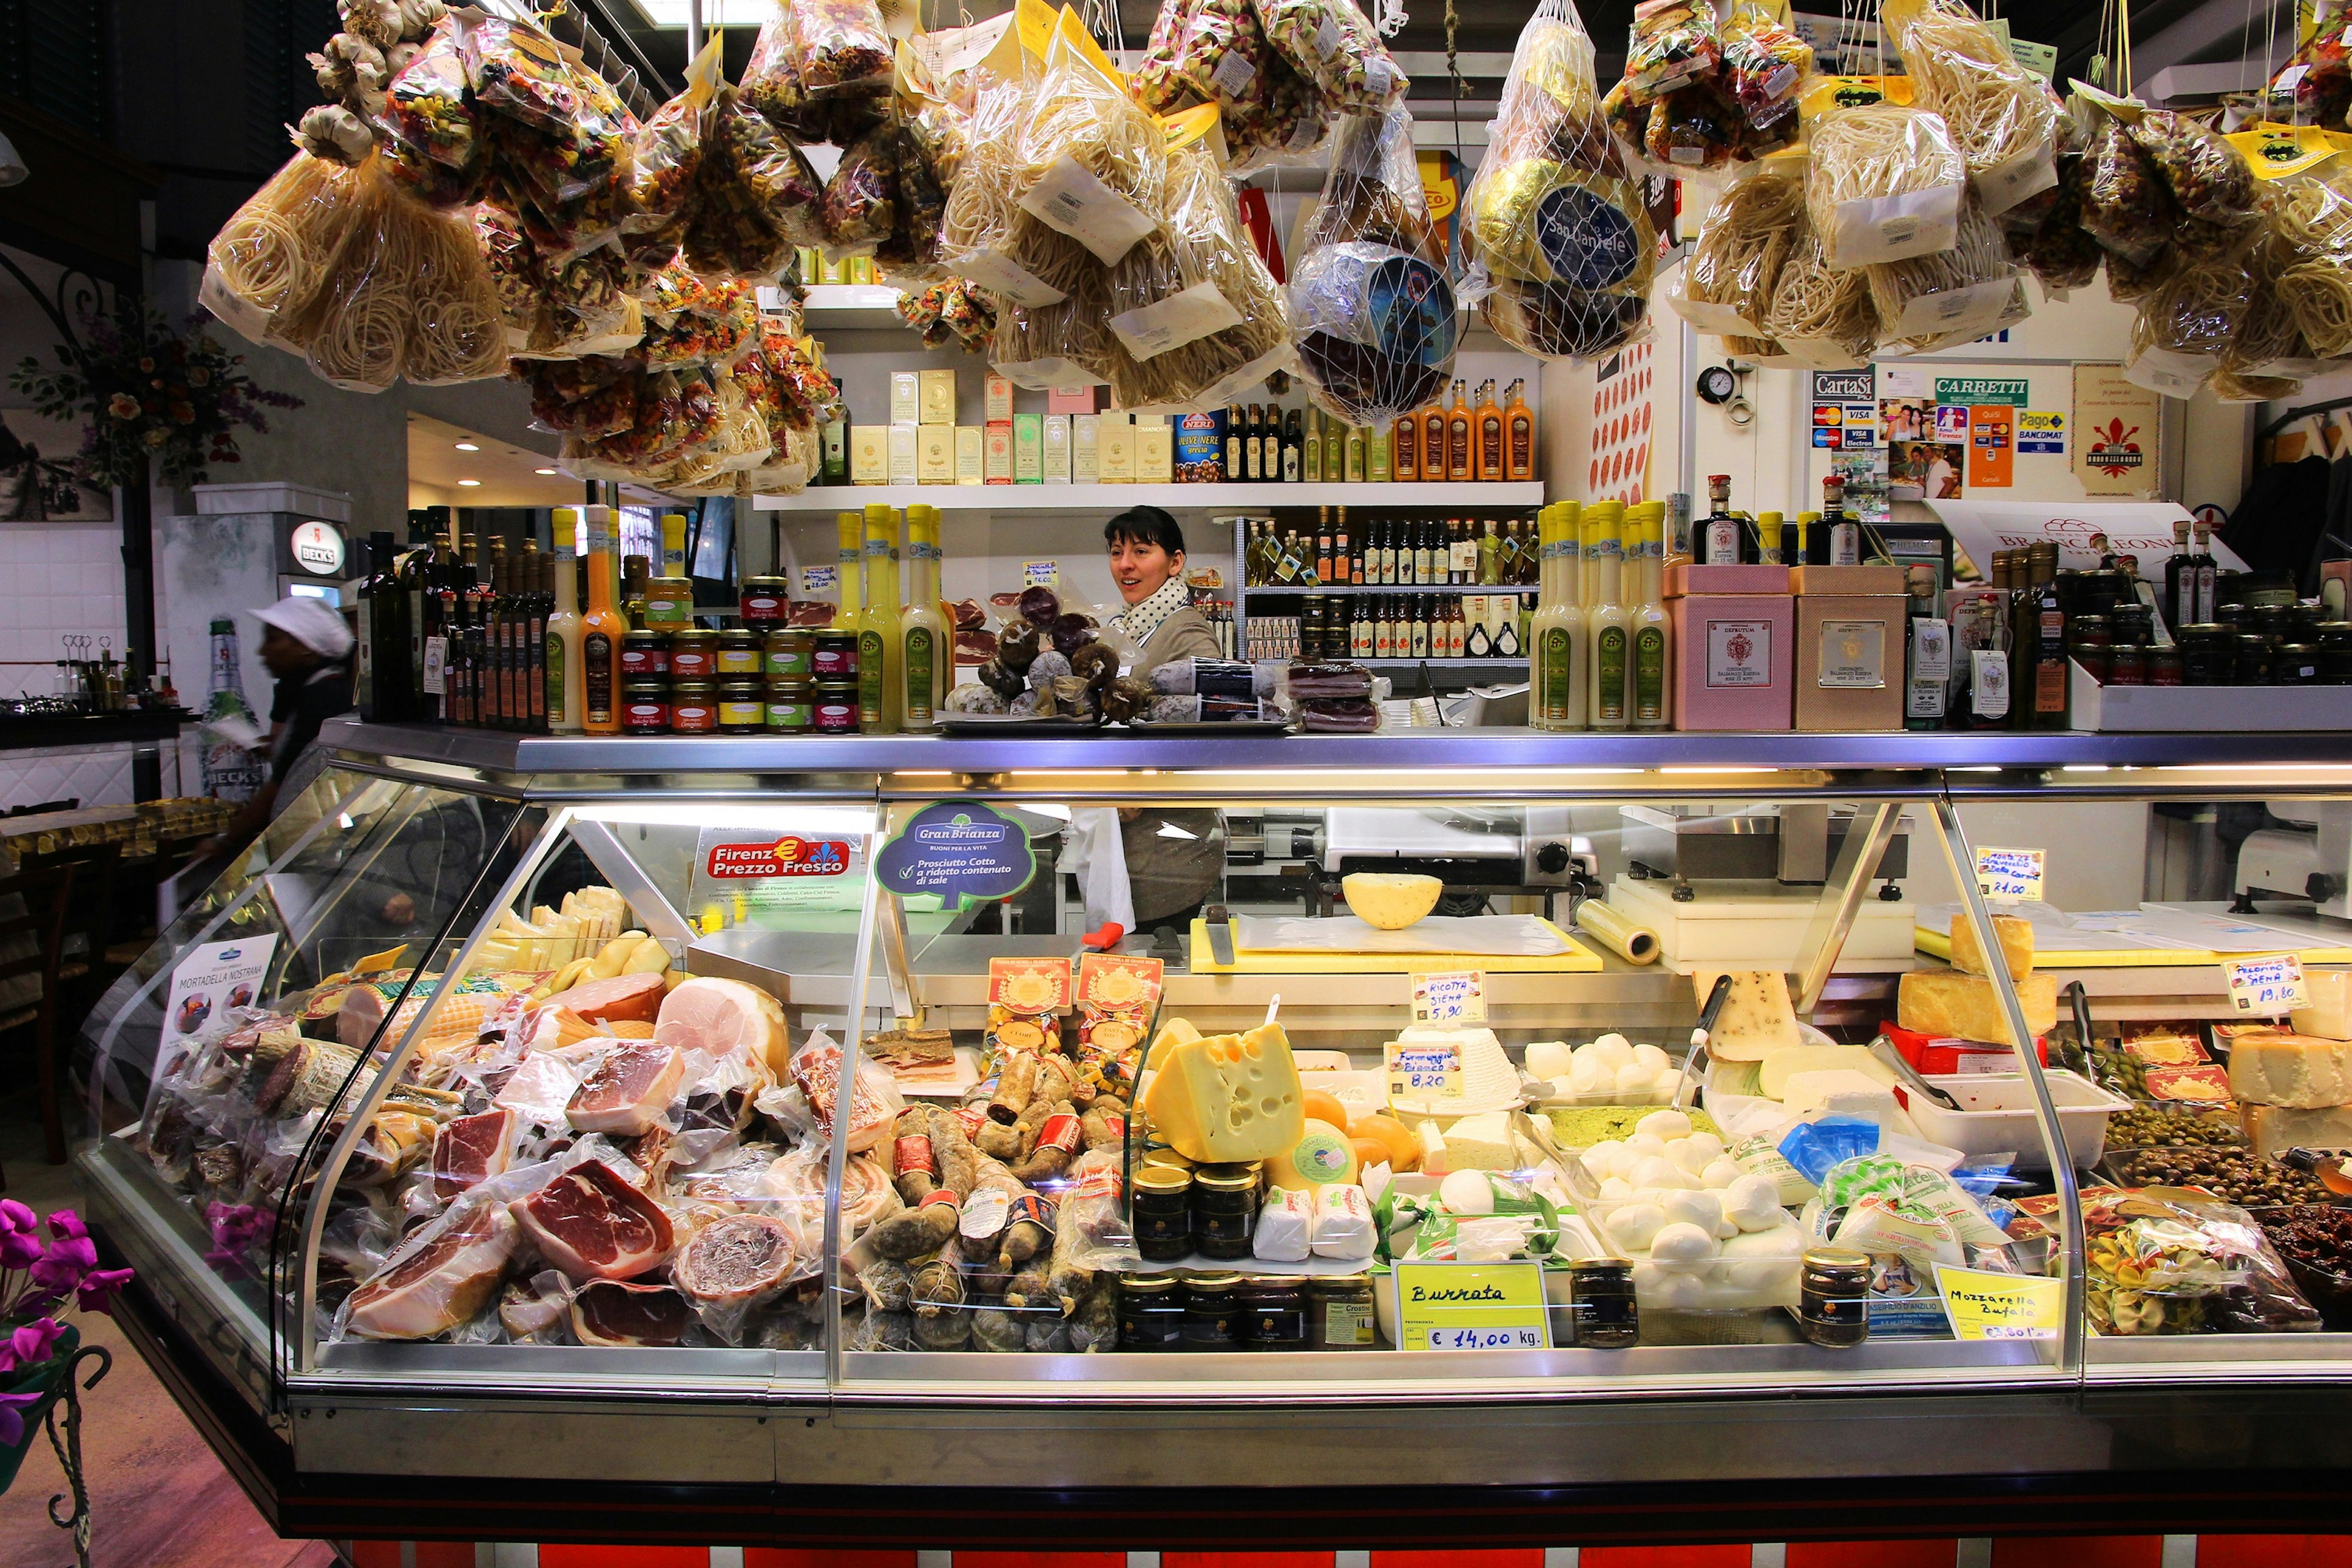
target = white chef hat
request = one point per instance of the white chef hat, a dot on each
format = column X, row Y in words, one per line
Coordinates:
column 314, row 623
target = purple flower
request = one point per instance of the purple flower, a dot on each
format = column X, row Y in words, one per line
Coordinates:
column 11, row 1416
column 15, row 1216
column 66, row 1223
column 33, row 1341
column 99, row 1286
column 67, row 1261
column 19, row 1249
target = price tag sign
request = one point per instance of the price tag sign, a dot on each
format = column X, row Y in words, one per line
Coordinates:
column 1456, row 996
column 1984, row 1306
column 2267, row 985
column 2012, row 875
column 1041, row 573
column 1471, row 1306
column 1424, row 1072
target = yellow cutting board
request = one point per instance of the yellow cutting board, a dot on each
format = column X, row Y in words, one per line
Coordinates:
column 1938, row 944
column 1578, row 959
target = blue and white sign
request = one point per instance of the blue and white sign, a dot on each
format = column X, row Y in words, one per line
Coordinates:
column 960, row 852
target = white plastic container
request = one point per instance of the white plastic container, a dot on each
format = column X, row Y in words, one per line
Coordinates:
column 1996, row 1116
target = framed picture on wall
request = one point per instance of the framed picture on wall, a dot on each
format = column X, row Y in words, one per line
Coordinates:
column 37, row 472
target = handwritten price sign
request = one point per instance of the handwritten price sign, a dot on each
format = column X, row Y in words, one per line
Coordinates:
column 1454, row 996
column 2269, row 985
column 2012, row 875
column 1424, row 1072
column 1471, row 1306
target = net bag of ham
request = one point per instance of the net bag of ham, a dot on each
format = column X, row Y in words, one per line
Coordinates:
column 1558, row 237
column 1372, row 311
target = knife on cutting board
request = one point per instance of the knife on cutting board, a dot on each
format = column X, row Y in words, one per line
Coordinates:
column 1219, row 920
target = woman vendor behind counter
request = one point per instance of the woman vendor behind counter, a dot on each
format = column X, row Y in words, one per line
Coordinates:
column 1175, row 857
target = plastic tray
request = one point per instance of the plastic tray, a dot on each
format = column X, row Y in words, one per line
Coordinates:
column 1996, row 1117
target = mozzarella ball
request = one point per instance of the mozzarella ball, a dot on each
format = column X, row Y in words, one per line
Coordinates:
column 1752, row 1202
column 1719, row 1172
column 1650, row 1058
column 1709, row 1142
column 1687, row 1154
column 1605, row 1158
column 1681, row 1292
column 1644, row 1143
column 1468, row 1193
column 1701, row 1209
column 1547, row 1059
column 1616, row 1190
column 1633, row 1227
column 1682, row 1246
column 1610, row 1051
column 1633, row 1085
column 1663, row 1125
column 1663, row 1087
column 1655, row 1171
column 1586, row 1075
column 1765, row 1261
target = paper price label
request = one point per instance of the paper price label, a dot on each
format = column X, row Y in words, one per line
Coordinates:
column 1471, row 1306
column 1984, row 1306
column 1424, row 1072
column 1040, row 574
column 2269, row 985
column 2012, row 874
column 1453, row 996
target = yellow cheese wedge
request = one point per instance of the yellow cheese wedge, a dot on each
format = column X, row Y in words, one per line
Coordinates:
column 2016, row 937
column 2302, row 1071
column 2274, row 1128
column 1228, row 1097
column 1390, row 901
column 1174, row 1032
column 2329, row 1013
column 1758, row 1018
column 1322, row 1156
column 1963, row 1006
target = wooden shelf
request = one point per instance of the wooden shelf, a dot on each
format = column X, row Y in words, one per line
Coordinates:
column 1106, row 499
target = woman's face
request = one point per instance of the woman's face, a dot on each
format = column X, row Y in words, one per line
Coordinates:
column 1141, row 570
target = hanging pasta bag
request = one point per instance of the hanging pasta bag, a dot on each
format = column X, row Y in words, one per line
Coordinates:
column 1331, row 43
column 2315, row 86
column 2126, row 205
column 1822, row 317
column 1726, row 284
column 1885, row 182
column 2000, row 116
column 280, row 249
column 1949, row 296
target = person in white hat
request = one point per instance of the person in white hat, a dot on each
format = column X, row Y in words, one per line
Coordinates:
column 306, row 645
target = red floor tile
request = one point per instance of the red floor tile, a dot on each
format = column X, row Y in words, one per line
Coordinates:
column 1873, row 1553
column 2274, row 1551
column 1507, row 1557
column 1245, row 1560
column 824, row 1557
column 1663, row 1557
column 555, row 1556
column 2078, row 1551
column 375, row 1554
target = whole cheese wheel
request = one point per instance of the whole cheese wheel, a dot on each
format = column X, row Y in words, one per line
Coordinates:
column 1322, row 1156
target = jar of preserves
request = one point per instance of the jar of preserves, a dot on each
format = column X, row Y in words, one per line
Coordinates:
column 742, row 707
column 693, row 655
column 1272, row 1312
column 1224, row 1207
column 644, row 656
column 2294, row 663
column 2254, row 659
column 766, row 602
column 1163, row 1212
column 669, row 602
column 742, row 651
column 2207, row 654
column 2164, row 667
column 1601, row 1305
column 1833, row 1297
column 2089, row 642
column 833, row 655
column 2334, row 640
column 1210, row 1313
column 1150, row 1313
column 1340, row 1315
column 2126, row 665
column 791, row 707
column 790, row 653
column 693, row 708
column 645, row 707
column 836, row 708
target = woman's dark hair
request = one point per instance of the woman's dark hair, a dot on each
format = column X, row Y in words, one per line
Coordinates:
column 1145, row 525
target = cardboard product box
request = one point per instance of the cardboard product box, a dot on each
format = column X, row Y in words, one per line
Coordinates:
column 1070, row 400
column 1085, row 448
column 869, row 454
column 1690, row 577
column 1735, row 661
column 1057, row 448
column 902, row 454
column 1116, row 438
column 996, row 459
column 1028, row 449
column 1850, row 658
column 1199, row 449
column 971, row 454
column 998, row 401
column 1845, row 579
column 934, row 455
column 905, row 397
column 938, row 396
column 1154, row 450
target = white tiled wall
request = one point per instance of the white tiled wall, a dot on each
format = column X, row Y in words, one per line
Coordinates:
column 97, row 776
column 56, row 578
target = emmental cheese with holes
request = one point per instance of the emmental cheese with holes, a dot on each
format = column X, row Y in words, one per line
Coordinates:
column 1963, row 1006
column 2016, row 938
column 1757, row 1018
column 1228, row 1097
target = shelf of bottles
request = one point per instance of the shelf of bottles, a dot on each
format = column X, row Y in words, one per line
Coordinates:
column 1450, row 592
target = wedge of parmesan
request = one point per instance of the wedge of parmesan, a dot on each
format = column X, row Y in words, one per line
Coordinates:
column 2016, row 938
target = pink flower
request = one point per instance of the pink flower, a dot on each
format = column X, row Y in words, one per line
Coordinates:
column 11, row 1416
column 33, row 1341
column 20, row 1249
column 64, row 1223
column 15, row 1216
column 122, row 405
column 99, row 1289
column 67, row 1261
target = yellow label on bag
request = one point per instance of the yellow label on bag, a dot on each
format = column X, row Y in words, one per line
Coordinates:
column 1187, row 126
column 2277, row 151
column 1828, row 94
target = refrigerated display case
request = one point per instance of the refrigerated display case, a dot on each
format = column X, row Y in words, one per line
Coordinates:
column 524, row 1180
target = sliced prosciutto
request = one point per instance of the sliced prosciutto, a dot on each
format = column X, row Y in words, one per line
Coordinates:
column 471, row 1150
column 628, row 1092
column 736, row 1259
column 723, row 1019
column 441, row 1284
column 632, row 997
column 612, row 1314
column 592, row 1225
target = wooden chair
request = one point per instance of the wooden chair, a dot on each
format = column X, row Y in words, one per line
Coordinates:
column 34, row 904
column 172, row 854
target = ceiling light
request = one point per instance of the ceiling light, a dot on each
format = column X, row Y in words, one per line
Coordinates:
column 468, row 484
column 715, row 13
column 468, row 446
column 543, row 470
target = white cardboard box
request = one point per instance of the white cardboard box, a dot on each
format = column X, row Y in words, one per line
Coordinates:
column 2205, row 708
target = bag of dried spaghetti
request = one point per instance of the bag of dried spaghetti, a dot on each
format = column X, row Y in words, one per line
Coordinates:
column 2300, row 262
column 1949, row 296
column 1090, row 166
column 1726, row 284
column 1886, row 179
column 353, row 324
column 2189, row 321
column 1822, row 317
column 2000, row 116
column 280, row 249
column 2126, row 205
column 1331, row 43
column 1372, row 311
column 976, row 229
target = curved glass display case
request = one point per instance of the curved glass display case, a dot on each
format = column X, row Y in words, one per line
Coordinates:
column 482, row 1132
